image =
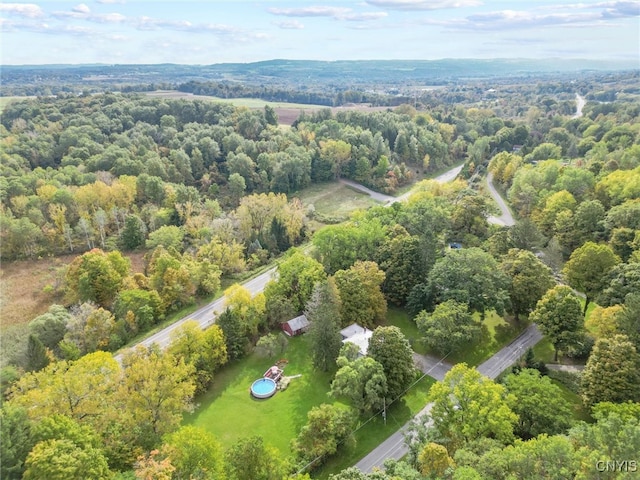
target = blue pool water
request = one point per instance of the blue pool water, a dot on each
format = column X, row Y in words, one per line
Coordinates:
column 263, row 388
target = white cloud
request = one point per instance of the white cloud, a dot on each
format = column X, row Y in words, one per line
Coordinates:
column 111, row 2
column 82, row 8
column 336, row 13
column 290, row 25
column 579, row 15
column 27, row 10
column 315, row 11
column 423, row 4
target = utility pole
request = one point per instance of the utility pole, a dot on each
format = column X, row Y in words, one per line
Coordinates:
column 384, row 410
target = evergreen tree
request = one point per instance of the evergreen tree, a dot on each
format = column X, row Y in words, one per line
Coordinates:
column 323, row 312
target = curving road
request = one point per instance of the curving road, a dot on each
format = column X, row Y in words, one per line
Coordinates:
column 447, row 176
column 505, row 218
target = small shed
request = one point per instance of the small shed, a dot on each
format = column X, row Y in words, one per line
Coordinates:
column 296, row 326
column 357, row 335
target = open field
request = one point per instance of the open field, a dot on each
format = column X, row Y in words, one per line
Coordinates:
column 4, row 101
column 287, row 112
column 26, row 286
column 333, row 200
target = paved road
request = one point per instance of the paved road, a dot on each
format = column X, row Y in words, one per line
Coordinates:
column 505, row 218
column 394, row 447
column 388, row 199
column 432, row 366
column 207, row 314
column 509, row 354
column 380, row 197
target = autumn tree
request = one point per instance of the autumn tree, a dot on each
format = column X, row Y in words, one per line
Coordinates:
column 529, row 280
column 323, row 313
column 604, row 322
column 587, row 269
column 468, row 406
column 249, row 457
column 559, row 315
column 62, row 459
column 155, row 389
column 391, row 349
column 612, row 373
column 205, row 350
column 194, row 453
column 360, row 293
column 96, row 276
column 434, row 461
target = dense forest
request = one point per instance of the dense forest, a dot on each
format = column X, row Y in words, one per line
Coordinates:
column 208, row 191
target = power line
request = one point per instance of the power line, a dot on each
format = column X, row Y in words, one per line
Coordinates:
column 372, row 417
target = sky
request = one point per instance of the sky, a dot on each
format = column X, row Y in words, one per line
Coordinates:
column 203, row 32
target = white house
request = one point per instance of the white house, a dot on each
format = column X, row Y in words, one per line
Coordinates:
column 357, row 335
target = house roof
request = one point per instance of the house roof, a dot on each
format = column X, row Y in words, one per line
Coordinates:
column 298, row 323
column 351, row 330
column 357, row 335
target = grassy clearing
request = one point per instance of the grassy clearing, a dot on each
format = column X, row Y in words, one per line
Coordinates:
column 400, row 318
column 544, row 351
column 229, row 412
column 4, row 101
column 499, row 332
column 238, row 102
column 333, row 200
column 579, row 412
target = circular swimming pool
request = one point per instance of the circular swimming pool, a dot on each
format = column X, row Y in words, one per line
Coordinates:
column 263, row 388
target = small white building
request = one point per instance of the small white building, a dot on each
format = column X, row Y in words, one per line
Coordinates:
column 357, row 335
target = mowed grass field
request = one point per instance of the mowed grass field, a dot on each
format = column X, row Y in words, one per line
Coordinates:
column 229, row 411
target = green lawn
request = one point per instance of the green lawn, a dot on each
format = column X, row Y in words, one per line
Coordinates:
column 579, row 411
column 499, row 332
column 229, row 412
column 401, row 319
